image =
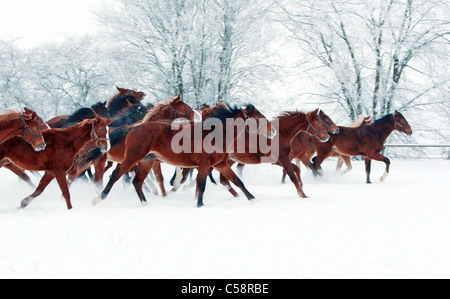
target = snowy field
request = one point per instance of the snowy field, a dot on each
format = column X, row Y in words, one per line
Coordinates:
column 346, row 229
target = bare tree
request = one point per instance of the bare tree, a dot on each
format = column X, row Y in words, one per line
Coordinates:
column 69, row 75
column 206, row 50
column 13, row 63
column 370, row 55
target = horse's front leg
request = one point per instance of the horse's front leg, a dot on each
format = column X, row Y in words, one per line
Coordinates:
column 225, row 169
column 287, row 166
column 62, row 182
column 120, row 170
column 381, row 158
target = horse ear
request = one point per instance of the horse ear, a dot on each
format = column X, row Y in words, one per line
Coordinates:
column 177, row 99
column 314, row 113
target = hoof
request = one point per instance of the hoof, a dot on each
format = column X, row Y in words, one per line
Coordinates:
column 144, row 203
column 97, row 200
column 199, row 205
column 384, row 176
column 25, row 203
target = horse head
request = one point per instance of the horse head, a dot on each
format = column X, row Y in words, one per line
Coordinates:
column 401, row 124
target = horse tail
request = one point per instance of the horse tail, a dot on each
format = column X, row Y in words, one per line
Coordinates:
column 118, row 135
column 87, row 158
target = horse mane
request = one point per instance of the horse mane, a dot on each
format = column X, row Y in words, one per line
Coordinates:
column 132, row 115
column 228, row 111
column 118, row 102
column 289, row 114
column 153, row 111
column 9, row 115
column 80, row 115
column 383, row 119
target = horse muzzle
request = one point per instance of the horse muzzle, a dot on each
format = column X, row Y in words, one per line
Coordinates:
column 40, row 147
column 325, row 138
column 273, row 133
column 104, row 148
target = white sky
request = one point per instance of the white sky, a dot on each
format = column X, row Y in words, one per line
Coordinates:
column 39, row 21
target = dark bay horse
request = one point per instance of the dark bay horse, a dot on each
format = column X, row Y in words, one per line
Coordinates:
column 57, row 158
column 159, row 136
column 315, row 123
column 110, row 109
column 366, row 141
column 27, row 125
column 169, row 110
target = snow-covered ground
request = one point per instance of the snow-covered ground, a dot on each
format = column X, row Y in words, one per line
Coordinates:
column 346, row 229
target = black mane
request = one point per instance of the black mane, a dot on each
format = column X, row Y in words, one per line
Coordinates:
column 119, row 103
column 222, row 113
column 383, row 119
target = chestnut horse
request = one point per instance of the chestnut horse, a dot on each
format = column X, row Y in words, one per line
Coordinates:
column 159, row 140
column 316, row 123
column 57, row 159
column 92, row 156
column 27, row 124
column 303, row 148
column 366, row 141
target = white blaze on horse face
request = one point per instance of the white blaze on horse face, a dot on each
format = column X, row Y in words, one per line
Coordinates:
column 108, row 140
column 197, row 116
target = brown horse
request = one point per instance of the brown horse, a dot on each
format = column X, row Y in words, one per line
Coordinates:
column 112, row 108
column 303, row 148
column 57, row 159
column 366, row 141
column 27, row 124
column 92, row 156
column 315, row 123
column 159, row 139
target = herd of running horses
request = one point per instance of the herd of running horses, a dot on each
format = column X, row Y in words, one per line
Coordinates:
column 137, row 138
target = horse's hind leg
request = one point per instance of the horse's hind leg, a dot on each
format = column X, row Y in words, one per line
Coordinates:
column 348, row 163
column 20, row 173
column 143, row 170
column 159, row 177
column 46, row 179
column 283, row 178
column 240, row 169
column 226, row 183
column 120, row 170
column 339, row 163
column 62, row 182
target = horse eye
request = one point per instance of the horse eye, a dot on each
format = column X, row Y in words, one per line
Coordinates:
column 102, row 129
column 319, row 122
